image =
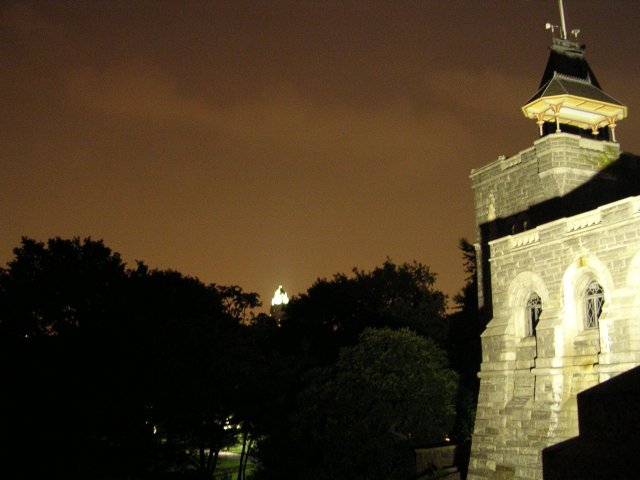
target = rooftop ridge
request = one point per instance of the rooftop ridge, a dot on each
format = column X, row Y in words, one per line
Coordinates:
column 564, row 76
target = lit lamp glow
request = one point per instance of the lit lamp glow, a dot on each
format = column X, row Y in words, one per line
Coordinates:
column 280, row 297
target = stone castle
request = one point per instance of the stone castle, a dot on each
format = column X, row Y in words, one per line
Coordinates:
column 558, row 229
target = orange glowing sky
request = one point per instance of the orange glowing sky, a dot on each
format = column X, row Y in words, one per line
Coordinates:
column 274, row 142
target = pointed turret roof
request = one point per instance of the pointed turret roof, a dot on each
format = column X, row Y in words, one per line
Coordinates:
column 567, row 58
column 561, row 84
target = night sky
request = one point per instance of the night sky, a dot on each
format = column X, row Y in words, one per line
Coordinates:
column 260, row 143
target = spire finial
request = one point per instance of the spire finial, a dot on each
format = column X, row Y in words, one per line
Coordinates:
column 563, row 25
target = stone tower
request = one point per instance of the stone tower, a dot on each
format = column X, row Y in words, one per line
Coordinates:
column 558, row 243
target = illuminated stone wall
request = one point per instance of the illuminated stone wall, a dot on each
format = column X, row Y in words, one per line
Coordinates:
column 529, row 384
column 508, row 189
column 553, row 166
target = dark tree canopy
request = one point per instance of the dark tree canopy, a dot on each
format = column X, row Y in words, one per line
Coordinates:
column 116, row 371
column 365, row 351
column 361, row 417
column 63, row 285
column 333, row 313
column 464, row 345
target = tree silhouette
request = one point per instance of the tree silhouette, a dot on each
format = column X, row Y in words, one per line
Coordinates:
column 333, row 313
column 361, row 417
column 320, row 333
column 115, row 371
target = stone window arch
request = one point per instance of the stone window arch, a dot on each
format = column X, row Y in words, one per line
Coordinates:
column 592, row 303
column 586, row 277
column 526, row 295
column 533, row 309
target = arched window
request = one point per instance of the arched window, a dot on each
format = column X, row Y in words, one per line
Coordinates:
column 532, row 314
column 593, row 301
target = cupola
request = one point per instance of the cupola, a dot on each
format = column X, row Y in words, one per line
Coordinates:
column 570, row 98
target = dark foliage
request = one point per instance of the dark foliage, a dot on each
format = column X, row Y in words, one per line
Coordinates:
column 464, row 345
column 363, row 416
column 333, row 313
column 317, row 435
column 117, row 372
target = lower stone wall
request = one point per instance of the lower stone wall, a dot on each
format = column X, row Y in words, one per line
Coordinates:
column 607, row 446
column 512, row 429
column 529, row 384
column 522, row 412
column 510, row 435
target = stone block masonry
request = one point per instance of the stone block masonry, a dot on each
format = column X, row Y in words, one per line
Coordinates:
column 560, row 220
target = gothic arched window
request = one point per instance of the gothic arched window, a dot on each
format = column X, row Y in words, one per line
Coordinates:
column 532, row 314
column 593, row 301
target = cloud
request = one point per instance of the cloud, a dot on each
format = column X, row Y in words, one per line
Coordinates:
column 21, row 19
column 282, row 116
column 486, row 91
column 139, row 90
column 30, row 33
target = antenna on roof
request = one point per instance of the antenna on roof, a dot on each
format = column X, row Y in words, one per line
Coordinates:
column 563, row 25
